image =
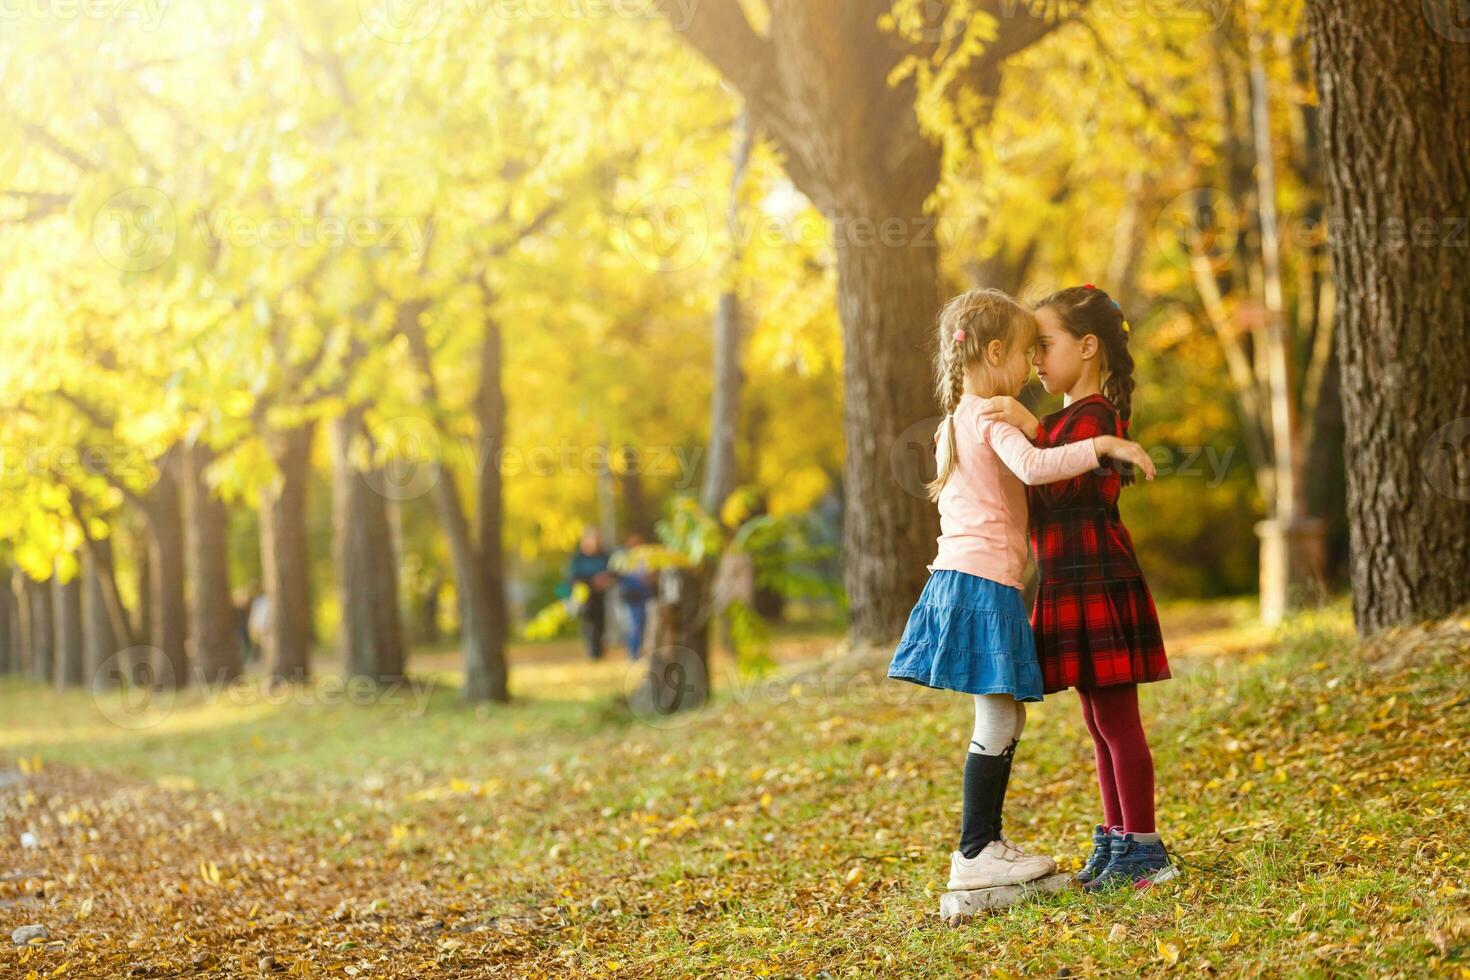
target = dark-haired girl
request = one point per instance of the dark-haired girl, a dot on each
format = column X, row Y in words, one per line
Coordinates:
column 1094, row 620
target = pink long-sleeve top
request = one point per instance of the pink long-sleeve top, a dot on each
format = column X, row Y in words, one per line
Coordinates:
column 982, row 509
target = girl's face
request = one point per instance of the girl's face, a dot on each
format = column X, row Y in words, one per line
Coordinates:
column 1059, row 355
column 1004, row 371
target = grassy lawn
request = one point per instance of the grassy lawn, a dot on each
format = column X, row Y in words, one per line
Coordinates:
column 1315, row 791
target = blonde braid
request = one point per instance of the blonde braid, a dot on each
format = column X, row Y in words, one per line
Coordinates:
column 953, row 355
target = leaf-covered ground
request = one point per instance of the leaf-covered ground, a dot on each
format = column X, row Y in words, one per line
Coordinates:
column 1315, row 791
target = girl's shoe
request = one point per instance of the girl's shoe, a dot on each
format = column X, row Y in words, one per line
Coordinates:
column 1102, row 852
column 1140, row 864
column 998, row 864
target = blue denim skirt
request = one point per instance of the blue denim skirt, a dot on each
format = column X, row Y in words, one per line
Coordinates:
column 969, row 634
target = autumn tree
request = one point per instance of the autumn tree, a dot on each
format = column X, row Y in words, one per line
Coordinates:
column 1395, row 121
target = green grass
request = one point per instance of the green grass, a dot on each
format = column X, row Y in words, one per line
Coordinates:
column 1316, row 798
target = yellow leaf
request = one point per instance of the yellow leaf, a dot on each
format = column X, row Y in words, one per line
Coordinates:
column 1168, row 952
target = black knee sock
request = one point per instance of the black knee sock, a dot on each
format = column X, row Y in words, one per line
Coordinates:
column 1009, row 756
column 984, row 784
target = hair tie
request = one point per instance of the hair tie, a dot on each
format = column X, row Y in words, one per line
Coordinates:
column 1116, row 306
column 1125, row 425
column 1125, row 326
column 1088, row 285
column 959, row 336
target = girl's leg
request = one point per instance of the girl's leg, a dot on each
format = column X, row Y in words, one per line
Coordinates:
column 986, row 766
column 1107, row 786
column 1010, row 756
column 1115, row 711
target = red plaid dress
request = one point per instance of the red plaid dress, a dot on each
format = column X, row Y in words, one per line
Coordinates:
column 1094, row 619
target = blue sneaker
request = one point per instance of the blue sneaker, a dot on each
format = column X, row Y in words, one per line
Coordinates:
column 1102, row 852
column 1141, row 864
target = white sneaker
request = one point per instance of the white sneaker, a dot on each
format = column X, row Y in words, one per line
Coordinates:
column 998, row 864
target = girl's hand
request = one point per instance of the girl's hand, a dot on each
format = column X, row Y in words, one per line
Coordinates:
column 1004, row 408
column 1122, row 449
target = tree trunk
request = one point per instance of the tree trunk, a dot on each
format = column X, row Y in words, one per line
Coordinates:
column 490, row 419
column 140, row 538
column 169, row 611
column 1395, row 121
column 71, row 662
column 1293, row 551
column 888, row 296
column 216, row 656
column 42, row 630
column 481, row 610
column 372, row 636
column 102, row 613
column 719, row 473
column 284, row 555
column 20, row 587
column 678, row 677
column 9, row 622
column 484, row 654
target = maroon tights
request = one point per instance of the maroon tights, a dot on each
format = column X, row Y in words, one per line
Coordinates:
column 1125, row 769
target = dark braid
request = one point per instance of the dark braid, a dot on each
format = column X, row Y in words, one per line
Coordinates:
column 1087, row 310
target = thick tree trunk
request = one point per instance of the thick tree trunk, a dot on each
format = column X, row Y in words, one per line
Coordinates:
column 284, row 555
column 372, row 635
column 71, row 656
column 42, row 630
column 212, row 629
column 888, row 296
column 168, row 609
column 103, row 612
column 1395, row 122
column 678, row 676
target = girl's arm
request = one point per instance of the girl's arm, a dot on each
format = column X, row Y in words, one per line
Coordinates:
column 1004, row 408
column 1037, row 466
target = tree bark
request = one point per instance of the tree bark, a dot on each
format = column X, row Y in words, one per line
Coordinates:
column 71, row 664
column 42, row 630
column 284, row 555
column 216, row 656
column 490, row 419
column 9, row 622
column 481, row 608
column 720, row 474
column 102, row 612
column 678, row 675
column 372, row 635
column 168, row 609
column 1395, row 121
